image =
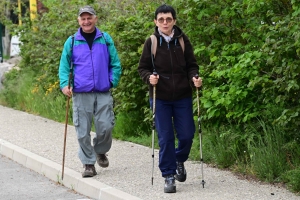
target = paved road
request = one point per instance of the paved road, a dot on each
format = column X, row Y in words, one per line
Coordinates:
column 20, row 183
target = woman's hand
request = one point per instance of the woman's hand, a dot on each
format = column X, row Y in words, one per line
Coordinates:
column 197, row 81
column 153, row 79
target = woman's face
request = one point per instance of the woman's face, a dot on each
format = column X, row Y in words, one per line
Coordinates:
column 165, row 22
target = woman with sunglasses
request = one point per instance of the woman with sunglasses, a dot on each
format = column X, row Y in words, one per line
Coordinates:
column 174, row 72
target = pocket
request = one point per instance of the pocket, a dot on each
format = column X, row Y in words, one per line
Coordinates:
column 112, row 114
column 76, row 117
column 112, row 118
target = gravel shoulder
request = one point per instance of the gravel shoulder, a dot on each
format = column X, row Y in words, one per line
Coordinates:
column 130, row 167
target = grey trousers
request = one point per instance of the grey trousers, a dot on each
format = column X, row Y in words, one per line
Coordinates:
column 97, row 107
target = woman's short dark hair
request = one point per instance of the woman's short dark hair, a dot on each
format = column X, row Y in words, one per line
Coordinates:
column 165, row 9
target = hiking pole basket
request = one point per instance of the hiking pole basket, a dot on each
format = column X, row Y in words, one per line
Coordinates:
column 200, row 133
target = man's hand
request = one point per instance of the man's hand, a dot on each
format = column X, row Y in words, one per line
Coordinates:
column 67, row 91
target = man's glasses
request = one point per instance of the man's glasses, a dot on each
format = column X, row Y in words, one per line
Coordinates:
column 168, row 20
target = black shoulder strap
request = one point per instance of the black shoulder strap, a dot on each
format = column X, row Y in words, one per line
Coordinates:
column 72, row 44
column 106, row 42
column 71, row 64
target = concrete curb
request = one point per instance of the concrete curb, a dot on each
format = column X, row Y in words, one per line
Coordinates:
column 72, row 179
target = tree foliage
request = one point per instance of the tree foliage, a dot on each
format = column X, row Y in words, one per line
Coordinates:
column 248, row 52
column 249, row 57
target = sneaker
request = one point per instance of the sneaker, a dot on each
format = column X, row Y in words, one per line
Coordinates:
column 102, row 160
column 180, row 172
column 170, row 186
column 89, row 171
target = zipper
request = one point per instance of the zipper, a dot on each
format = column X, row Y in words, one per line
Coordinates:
column 93, row 68
column 182, row 69
column 172, row 71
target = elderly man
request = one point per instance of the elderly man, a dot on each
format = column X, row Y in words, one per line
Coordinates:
column 90, row 55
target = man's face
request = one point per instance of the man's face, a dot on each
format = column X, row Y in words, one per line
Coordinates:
column 87, row 22
column 165, row 22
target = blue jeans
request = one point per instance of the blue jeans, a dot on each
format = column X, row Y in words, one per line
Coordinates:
column 174, row 119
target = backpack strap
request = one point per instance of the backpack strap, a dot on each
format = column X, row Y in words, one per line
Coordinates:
column 71, row 62
column 105, row 38
column 72, row 45
column 153, row 49
column 153, row 45
column 181, row 42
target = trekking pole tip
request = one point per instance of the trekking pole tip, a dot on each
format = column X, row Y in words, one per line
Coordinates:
column 203, row 182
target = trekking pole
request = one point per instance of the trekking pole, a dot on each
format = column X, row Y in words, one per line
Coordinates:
column 66, row 126
column 67, row 111
column 153, row 124
column 200, row 133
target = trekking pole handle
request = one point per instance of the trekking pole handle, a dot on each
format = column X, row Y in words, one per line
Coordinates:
column 154, row 94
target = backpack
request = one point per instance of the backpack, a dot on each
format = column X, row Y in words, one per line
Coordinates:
column 154, row 44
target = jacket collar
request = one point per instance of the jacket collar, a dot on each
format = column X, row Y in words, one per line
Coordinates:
column 177, row 32
column 78, row 35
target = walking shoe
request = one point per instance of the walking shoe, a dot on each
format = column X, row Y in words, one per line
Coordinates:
column 89, row 171
column 170, row 186
column 102, row 160
column 180, row 172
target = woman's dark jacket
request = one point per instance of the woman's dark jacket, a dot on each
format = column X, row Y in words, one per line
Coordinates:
column 175, row 68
